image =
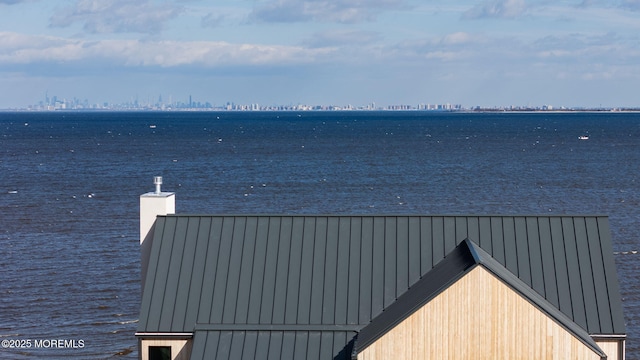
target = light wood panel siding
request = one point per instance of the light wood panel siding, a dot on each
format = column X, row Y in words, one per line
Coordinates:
column 613, row 348
column 180, row 348
column 478, row 317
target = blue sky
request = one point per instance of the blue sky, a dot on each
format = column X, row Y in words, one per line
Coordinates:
column 486, row 53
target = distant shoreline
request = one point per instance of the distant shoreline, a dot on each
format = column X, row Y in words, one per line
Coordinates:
column 466, row 111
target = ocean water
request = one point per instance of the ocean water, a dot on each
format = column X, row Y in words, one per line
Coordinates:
column 70, row 182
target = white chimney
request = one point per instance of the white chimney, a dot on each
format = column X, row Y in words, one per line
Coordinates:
column 152, row 204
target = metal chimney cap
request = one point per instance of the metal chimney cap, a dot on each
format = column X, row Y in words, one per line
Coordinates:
column 157, row 180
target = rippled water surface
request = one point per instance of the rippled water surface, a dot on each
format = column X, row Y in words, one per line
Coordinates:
column 69, row 187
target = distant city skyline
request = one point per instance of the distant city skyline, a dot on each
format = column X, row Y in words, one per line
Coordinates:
column 489, row 53
column 55, row 103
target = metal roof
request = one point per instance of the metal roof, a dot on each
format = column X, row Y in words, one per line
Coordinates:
column 464, row 258
column 272, row 344
column 344, row 270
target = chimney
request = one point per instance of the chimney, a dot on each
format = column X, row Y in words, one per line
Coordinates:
column 152, row 204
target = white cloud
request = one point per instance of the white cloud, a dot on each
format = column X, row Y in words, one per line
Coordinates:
column 342, row 37
column 581, row 49
column 12, row 45
column 457, row 47
column 445, row 55
column 497, row 9
column 116, row 16
column 340, row 11
column 460, row 38
column 18, row 49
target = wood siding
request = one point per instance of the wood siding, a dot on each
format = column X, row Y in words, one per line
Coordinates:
column 180, row 348
column 478, row 317
column 613, row 348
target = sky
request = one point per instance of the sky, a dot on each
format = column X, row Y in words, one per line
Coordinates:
column 581, row 53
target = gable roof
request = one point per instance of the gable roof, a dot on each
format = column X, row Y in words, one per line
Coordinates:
column 464, row 258
column 306, row 270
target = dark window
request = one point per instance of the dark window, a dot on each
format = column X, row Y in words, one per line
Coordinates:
column 159, row 352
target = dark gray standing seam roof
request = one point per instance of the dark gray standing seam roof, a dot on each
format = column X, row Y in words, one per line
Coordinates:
column 272, row 344
column 314, row 281
column 465, row 257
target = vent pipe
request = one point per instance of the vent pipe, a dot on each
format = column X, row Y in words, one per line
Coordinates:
column 157, row 180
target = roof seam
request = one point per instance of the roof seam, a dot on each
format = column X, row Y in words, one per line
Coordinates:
column 516, row 268
column 246, row 270
column 302, row 233
column 593, row 278
column 584, row 304
column 268, row 344
column 227, row 258
column 324, row 272
column 275, row 275
column 606, row 283
column 193, row 264
column 570, row 293
column 282, row 347
column 312, row 268
column 179, row 267
column 166, row 282
column 542, row 266
column 360, row 282
column 602, row 255
column 286, row 283
column 348, row 277
column 204, row 268
column 264, row 270
column 554, row 263
column 335, row 276
column 215, row 266
column 292, row 309
column 243, row 347
column 240, row 272
column 528, row 251
column 217, row 344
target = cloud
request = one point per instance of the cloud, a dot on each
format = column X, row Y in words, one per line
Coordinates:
column 587, row 3
column 212, row 20
column 340, row 11
column 453, row 48
column 11, row 2
column 508, row 9
column 633, row 5
column 458, row 38
column 116, row 16
column 605, row 50
column 341, row 38
column 15, row 43
column 24, row 50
